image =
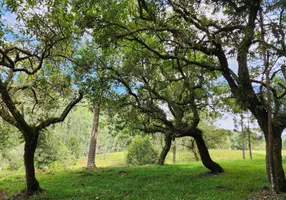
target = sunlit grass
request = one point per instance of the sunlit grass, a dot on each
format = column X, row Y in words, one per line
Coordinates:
column 172, row 181
column 119, row 158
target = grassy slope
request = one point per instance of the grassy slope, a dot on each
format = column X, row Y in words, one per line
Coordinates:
column 179, row 181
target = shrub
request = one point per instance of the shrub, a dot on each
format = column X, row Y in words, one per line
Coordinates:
column 49, row 150
column 141, row 152
column 12, row 159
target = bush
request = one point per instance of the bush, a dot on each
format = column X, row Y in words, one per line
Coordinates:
column 50, row 150
column 141, row 152
column 12, row 159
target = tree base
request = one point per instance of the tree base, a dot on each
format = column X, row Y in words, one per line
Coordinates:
column 91, row 167
column 25, row 194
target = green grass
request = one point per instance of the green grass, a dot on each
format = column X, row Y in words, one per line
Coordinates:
column 118, row 159
column 173, row 181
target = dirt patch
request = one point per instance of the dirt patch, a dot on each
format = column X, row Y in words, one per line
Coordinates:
column 266, row 194
column 43, row 171
column 2, row 195
column 122, row 173
column 23, row 195
column 105, row 170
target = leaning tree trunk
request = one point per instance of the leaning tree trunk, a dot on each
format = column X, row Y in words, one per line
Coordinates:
column 165, row 150
column 93, row 138
column 29, row 154
column 205, row 156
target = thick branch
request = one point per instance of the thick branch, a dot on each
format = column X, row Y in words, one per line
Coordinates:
column 62, row 117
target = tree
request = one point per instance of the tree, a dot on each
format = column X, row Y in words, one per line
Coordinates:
column 93, row 137
column 33, row 82
column 184, row 28
column 96, row 86
column 159, row 100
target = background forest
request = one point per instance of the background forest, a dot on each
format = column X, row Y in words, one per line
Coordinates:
column 62, row 145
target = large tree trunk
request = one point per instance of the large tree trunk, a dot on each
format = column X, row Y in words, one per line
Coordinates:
column 279, row 182
column 29, row 154
column 165, row 150
column 93, row 138
column 205, row 156
column 275, row 172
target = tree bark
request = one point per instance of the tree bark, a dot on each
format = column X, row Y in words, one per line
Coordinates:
column 29, row 154
column 93, row 138
column 279, row 182
column 274, row 165
column 165, row 150
column 205, row 156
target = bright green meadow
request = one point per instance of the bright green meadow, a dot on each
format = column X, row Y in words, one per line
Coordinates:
column 184, row 180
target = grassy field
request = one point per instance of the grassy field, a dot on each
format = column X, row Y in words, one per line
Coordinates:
column 243, row 178
column 118, row 159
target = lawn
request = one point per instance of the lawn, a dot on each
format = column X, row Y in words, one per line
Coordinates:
column 242, row 179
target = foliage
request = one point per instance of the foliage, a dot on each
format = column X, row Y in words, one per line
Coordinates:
column 9, row 137
column 12, row 159
column 141, row 152
column 216, row 138
column 74, row 146
column 74, row 131
column 51, row 151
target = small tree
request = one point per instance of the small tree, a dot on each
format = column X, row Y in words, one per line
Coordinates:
column 35, row 82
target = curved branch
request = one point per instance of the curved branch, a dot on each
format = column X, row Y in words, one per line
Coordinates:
column 62, row 117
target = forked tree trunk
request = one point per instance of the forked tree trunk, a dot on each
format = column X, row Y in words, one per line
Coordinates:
column 93, row 138
column 205, row 156
column 165, row 150
column 29, row 154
